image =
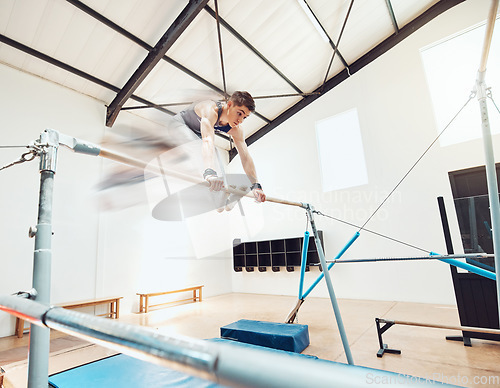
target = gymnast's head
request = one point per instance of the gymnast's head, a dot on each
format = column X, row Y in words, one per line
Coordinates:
column 239, row 98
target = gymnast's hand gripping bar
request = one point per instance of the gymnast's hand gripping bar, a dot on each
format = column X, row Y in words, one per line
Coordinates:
column 88, row 148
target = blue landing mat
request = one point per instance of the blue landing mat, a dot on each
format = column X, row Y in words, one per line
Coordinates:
column 124, row 371
column 283, row 336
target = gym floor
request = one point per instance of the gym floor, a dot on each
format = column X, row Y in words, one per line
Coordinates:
column 425, row 351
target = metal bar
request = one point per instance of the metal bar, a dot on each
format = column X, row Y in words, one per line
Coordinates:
column 346, row 247
column 235, row 33
column 439, row 326
column 85, row 147
column 303, row 263
column 39, row 347
column 139, row 163
column 471, row 268
column 73, row 70
column 444, row 258
column 192, row 9
column 491, row 175
column 146, row 46
column 104, row 20
column 167, row 104
column 221, row 54
column 433, row 12
column 335, row 51
column 219, row 361
column 331, row 292
column 312, row 16
column 55, row 62
column 190, row 102
column 393, row 17
column 433, row 257
column 284, row 95
column 488, row 35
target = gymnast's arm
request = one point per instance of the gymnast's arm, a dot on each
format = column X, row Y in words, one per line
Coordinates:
column 208, row 119
column 248, row 165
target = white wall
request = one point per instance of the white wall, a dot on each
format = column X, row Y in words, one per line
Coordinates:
column 29, row 106
column 397, row 124
column 95, row 254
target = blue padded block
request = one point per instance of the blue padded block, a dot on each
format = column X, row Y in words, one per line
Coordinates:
column 124, row 371
column 283, row 336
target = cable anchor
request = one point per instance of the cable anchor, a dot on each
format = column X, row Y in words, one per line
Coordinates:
column 24, row 158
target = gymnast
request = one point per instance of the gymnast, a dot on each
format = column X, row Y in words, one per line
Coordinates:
column 205, row 118
column 198, row 122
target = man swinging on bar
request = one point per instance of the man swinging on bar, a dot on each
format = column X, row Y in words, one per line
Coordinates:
column 205, row 118
column 197, row 122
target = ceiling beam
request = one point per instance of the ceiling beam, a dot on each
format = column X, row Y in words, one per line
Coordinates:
column 180, row 24
column 330, row 42
column 74, row 70
column 235, row 33
column 115, row 27
column 430, row 14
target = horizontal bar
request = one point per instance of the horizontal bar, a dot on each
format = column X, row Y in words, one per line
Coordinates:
column 492, row 14
column 471, row 268
column 222, row 362
column 81, row 146
column 439, row 326
column 433, row 257
column 448, row 259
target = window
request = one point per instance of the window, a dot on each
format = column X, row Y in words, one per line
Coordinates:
column 341, row 154
column 451, row 68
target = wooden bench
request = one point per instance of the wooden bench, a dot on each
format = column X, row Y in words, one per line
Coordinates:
column 114, row 310
column 144, row 304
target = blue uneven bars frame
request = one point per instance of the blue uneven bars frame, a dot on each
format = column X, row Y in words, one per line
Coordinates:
column 303, row 263
column 339, row 255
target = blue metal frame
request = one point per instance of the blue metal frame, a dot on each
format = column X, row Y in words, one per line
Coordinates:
column 303, row 263
column 339, row 255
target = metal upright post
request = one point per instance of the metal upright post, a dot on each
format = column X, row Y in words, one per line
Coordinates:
column 38, row 361
column 491, row 175
column 329, row 284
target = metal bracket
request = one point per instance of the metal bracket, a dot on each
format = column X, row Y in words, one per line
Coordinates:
column 30, row 294
column 381, row 330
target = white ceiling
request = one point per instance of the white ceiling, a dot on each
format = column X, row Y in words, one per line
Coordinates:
column 278, row 29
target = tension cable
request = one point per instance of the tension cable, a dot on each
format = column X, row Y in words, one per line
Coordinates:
column 471, row 96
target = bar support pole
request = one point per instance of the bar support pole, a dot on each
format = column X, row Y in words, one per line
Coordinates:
column 38, row 360
column 329, row 284
column 491, row 175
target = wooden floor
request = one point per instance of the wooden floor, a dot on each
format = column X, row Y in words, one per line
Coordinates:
column 425, row 351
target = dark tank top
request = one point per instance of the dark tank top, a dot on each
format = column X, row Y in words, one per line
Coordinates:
column 193, row 121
